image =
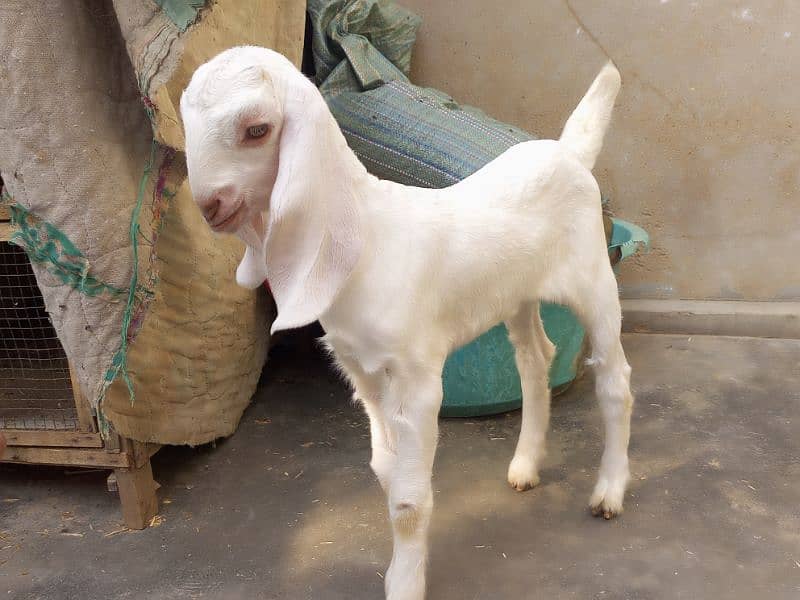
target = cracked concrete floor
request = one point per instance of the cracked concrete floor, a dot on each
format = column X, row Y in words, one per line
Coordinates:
column 287, row 507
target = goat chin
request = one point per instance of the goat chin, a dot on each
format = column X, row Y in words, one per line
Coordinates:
column 399, row 276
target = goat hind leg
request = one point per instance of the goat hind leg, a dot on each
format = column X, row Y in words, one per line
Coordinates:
column 603, row 320
column 534, row 353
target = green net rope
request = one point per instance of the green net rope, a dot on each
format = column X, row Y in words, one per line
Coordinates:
column 45, row 244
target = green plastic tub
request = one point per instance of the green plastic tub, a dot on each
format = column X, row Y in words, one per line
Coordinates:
column 481, row 378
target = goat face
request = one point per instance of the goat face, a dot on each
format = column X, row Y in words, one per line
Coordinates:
column 268, row 162
column 232, row 120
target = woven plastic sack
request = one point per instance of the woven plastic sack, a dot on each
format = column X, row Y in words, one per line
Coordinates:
column 420, row 136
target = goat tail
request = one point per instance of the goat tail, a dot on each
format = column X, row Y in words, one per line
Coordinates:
column 586, row 127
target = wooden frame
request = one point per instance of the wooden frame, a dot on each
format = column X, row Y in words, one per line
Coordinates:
column 6, row 228
column 85, row 447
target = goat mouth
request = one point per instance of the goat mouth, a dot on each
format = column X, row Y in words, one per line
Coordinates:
column 230, row 221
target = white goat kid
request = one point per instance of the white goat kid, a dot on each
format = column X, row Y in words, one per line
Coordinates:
column 400, row 276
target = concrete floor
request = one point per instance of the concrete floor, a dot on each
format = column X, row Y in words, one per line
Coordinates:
column 287, row 508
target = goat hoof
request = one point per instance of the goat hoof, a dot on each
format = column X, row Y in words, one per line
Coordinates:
column 606, row 513
column 523, row 486
column 607, row 498
column 606, row 508
column 522, row 474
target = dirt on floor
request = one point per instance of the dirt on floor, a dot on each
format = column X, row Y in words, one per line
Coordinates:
column 288, row 508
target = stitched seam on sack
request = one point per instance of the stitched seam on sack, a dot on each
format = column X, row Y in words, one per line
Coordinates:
column 400, row 154
column 455, row 153
column 396, row 170
column 458, row 154
column 461, row 116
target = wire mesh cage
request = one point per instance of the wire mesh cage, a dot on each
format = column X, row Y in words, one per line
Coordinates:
column 44, row 417
column 35, row 384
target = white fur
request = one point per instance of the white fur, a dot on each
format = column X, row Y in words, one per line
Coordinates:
column 400, row 276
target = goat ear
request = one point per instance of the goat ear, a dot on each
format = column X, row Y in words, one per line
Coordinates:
column 313, row 237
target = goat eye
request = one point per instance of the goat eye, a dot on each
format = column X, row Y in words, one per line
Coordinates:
column 257, row 131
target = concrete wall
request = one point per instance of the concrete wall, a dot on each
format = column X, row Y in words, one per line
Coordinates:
column 704, row 150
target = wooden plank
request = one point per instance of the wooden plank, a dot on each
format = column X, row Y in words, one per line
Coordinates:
column 5, row 213
column 112, row 441
column 6, row 229
column 140, row 451
column 82, row 407
column 137, row 492
column 63, row 439
column 78, row 457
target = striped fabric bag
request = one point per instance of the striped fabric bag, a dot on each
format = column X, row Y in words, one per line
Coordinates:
column 402, row 132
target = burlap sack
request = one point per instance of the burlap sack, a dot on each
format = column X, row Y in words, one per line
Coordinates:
column 86, row 84
column 74, row 142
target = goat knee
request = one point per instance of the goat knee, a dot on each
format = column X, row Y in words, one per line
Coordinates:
column 410, row 515
column 405, row 518
column 613, row 391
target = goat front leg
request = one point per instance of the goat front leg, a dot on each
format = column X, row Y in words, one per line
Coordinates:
column 367, row 390
column 383, row 456
column 411, row 408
